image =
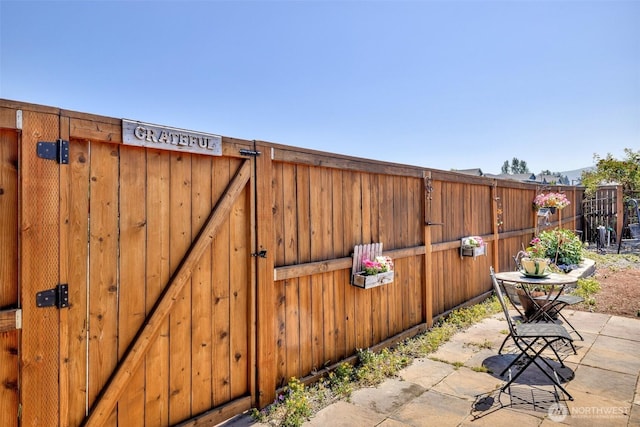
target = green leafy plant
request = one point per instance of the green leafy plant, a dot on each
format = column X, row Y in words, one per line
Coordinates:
column 296, row 403
column 586, row 288
column 563, row 246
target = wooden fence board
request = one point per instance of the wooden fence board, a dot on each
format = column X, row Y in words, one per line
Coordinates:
column 9, row 275
column 201, row 291
column 221, row 266
column 131, row 300
column 240, row 258
column 158, row 274
column 39, row 225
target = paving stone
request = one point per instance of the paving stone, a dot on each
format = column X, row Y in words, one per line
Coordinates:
column 614, row 354
column 622, row 327
column 466, row 384
column 343, row 414
column 426, row 372
column 433, row 409
column 388, row 396
column 614, row 385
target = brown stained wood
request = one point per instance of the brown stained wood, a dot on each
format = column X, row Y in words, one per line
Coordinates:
column 201, row 288
column 221, row 325
column 91, row 129
column 103, row 268
column 131, row 301
column 10, row 318
column 8, row 118
column 292, row 304
column 239, row 311
column 180, row 317
column 265, row 325
column 219, row 414
column 64, row 266
column 134, row 356
column 341, row 279
column 304, row 256
column 78, row 206
column 156, row 364
column 279, row 213
column 39, row 227
column 295, row 155
column 352, row 237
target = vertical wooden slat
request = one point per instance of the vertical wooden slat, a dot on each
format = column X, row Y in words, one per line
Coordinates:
column 180, row 316
column 63, row 375
column 339, row 250
column 221, row 295
column 103, row 249
column 277, row 191
column 201, row 345
column 157, row 267
column 352, row 236
column 292, row 339
column 239, row 311
column 326, row 240
column 39, row 270
column 132, row 249
column 9, row 274
column 316, row 224
column 78, row 284
column 304, row 255
column 265, row 322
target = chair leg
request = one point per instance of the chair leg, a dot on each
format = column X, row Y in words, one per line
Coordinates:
column 533, row 360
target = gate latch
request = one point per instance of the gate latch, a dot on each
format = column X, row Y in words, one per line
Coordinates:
column 56, row 297
column 58, row 151
column 261, row 254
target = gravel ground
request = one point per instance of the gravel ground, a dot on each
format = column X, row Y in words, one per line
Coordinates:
column 619, row 278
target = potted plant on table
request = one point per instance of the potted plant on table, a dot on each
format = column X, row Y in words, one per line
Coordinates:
column 534, row 261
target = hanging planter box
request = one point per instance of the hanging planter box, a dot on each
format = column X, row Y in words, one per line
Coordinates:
column 359, row 277
column 472, row 246
column 362, row 280
column 473, row 251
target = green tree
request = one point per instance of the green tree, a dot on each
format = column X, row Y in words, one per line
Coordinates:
column 624, row 172
column 516, row 166
column 505, row 166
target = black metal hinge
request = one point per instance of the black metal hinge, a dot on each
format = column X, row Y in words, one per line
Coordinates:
column 58, row 151
column 245, row 152
column 56, row 297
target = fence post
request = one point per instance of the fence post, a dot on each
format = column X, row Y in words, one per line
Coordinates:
column 427, row 283
column 495, row 253
column 619, row 212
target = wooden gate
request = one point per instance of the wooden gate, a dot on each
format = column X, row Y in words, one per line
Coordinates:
column 138, row 284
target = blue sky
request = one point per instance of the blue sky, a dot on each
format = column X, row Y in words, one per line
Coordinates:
column 439, row 84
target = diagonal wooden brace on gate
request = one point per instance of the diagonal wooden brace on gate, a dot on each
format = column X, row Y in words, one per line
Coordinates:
column 111, row 392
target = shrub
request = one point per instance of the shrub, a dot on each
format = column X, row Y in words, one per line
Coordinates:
column 562, row 246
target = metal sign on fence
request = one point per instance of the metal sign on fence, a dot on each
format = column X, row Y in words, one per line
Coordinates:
column 166, row 138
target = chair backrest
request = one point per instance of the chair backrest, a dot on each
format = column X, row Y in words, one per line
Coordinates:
column 505, row 309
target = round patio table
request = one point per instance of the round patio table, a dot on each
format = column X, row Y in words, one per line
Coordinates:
column 554, row 285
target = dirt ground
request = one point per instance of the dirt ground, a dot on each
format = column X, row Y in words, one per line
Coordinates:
column 619, row 278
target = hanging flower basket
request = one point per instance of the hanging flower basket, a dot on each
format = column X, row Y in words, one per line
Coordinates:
column 552, row 201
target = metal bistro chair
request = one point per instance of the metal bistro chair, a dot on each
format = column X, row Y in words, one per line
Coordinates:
column 532, row 340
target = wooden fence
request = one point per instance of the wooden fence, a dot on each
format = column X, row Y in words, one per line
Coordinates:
column 198, row 284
